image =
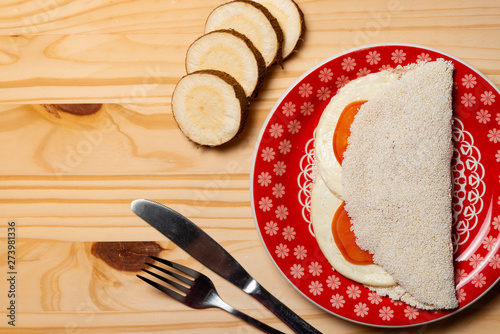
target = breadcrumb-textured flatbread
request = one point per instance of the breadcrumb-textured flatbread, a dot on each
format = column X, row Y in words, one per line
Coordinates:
column 397, row 182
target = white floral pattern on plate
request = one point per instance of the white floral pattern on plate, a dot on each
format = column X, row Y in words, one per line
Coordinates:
column 282, row 179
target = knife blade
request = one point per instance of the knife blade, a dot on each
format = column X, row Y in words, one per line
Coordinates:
column 192, row 239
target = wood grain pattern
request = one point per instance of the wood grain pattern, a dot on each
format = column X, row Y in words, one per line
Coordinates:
column 68, row 181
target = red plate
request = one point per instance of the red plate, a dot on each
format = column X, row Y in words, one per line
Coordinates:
column 281, row 180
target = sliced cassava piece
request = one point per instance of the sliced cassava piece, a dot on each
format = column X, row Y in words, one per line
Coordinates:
column 252, row 20
column 231, row 52
column 291, row 20
column 397, row 182
column 210, row 107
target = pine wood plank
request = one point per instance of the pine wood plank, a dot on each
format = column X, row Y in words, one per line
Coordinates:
column 136, row 53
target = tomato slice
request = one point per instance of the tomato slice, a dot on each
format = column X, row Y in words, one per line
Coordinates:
column 343, row 129
column 341, row 225
column 345, row 239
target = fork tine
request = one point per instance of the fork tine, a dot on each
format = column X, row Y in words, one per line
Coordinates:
column 186, row 270
column 164, row 289
column 168, row 272
column 168, row 281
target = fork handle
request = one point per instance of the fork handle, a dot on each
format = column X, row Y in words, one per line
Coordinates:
column 252, row 321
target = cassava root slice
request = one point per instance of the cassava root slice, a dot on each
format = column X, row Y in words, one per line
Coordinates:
column 210, row 107
column 291, row 20
column 231, row 52
column 252, row 20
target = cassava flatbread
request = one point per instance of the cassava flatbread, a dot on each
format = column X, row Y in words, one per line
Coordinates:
column 397, row 183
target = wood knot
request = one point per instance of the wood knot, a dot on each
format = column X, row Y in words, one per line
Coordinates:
column 75, row 109
column 126, row 256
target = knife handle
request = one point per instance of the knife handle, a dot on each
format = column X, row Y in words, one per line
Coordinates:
column 296, row 323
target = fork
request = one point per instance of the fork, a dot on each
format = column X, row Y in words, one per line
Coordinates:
column 199, row 293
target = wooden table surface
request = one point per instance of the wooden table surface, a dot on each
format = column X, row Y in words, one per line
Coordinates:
column 68, row 184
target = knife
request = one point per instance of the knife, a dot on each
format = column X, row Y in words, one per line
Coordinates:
column 192, row 239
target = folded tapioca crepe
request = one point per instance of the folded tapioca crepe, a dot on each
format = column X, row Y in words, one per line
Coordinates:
column 397, row 184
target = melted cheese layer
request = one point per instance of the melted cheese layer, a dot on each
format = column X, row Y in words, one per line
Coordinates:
column 362, row 88
column 323, row 207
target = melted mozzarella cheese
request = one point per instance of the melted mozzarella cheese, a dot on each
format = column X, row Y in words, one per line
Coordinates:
column 357, row 90
column 323, row 207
